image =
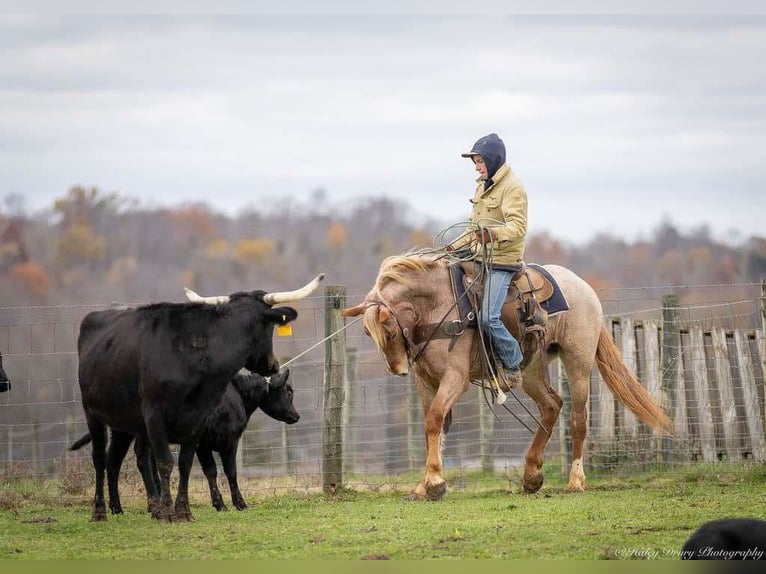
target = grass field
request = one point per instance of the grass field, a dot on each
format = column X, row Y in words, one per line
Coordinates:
column 638, row 517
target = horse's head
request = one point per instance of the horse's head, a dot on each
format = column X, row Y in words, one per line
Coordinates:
column 384, row 326
column 408, row 288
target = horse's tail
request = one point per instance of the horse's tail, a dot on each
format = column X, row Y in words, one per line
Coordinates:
column 626, row 387
column 80, row 442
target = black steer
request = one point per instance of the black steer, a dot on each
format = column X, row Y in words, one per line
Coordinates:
column 727, row 539
column 5, row 384
column 159, row 371
column 245, row 394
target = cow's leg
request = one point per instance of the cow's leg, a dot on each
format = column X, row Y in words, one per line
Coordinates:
column 98, row 454
column 118, row 449
column 158, row 439
column 148, row 469
column 549, row 404
column 578, row 367
column 229, row 460
column 453, row 384
column 185, row 459
column 206, row 460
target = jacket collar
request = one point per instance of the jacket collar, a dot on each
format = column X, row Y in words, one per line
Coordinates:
column 500, row 174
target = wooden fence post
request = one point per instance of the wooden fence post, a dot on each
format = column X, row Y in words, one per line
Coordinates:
column 750, row 395
column 726, row 394
column 606, row 406
column 762, row 339
column 335, row 354
column 628, row 344
column 671, row 363
column 702, row 397
column 565, row 438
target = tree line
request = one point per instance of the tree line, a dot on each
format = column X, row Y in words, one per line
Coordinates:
column 92, row 247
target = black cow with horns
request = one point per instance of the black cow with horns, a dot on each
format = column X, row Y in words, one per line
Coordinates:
column 158, row 371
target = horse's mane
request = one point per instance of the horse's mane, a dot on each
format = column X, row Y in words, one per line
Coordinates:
column 396, row 268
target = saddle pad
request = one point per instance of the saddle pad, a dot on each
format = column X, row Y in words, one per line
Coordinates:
column 556, row 303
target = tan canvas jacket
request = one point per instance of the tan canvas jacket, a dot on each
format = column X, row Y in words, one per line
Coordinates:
column 503, row 207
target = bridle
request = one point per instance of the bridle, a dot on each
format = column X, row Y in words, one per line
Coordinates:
column 414, row 351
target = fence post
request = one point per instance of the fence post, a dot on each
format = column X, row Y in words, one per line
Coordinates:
column 750, row 396
column 762, row 346
column 335, row 354
column 706, row 431
column 671, row 362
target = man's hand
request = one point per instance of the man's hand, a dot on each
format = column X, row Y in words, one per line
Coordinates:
column 484, row 235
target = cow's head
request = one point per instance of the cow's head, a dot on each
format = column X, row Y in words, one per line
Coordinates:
column 5, row 384
column 264, row 317
column 278, row 402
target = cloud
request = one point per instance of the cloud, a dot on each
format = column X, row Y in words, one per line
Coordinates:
column 240, row 109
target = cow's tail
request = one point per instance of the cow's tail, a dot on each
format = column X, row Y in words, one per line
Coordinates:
column 81, row 442
column 626, row 387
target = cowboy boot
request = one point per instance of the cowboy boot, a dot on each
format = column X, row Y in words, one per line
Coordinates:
column 508, row 379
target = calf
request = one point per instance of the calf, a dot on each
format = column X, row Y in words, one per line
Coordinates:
column 5, row 384
column 222, row 431
column 727, row 539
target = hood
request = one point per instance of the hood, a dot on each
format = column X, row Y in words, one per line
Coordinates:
column 492, row 150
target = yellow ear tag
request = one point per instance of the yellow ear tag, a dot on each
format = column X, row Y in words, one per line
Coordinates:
column 284, row 330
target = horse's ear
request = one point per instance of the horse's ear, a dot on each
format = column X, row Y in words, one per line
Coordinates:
column 383, row 314
column 354, row 311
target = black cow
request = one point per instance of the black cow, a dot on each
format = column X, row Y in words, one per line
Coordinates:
column 158, row 371
column 727, row 539
column 223, row 429
column 5, row 384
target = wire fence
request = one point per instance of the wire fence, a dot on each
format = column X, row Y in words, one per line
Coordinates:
column 709, row 376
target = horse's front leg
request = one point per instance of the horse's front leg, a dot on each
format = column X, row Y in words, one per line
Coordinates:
column 451, row 387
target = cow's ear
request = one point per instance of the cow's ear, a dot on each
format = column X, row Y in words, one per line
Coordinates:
column 279, row 380
column 282, row 315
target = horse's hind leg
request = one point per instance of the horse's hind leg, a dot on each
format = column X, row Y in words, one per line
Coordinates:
column 578, row 367
column 549, row 404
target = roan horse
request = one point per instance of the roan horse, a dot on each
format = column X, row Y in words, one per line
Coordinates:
column 413, row 292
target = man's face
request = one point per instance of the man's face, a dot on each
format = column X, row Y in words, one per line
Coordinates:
column 481, row 168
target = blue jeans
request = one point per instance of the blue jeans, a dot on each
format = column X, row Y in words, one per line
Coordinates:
column 495, row 290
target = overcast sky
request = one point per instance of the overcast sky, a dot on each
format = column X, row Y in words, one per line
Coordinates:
column 614, row 124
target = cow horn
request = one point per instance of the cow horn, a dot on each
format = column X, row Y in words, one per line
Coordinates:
column 287, row 296
column 194, row 298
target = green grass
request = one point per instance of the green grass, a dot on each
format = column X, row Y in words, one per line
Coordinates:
column 637, row 517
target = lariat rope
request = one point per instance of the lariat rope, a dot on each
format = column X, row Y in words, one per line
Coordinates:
column 330, row 336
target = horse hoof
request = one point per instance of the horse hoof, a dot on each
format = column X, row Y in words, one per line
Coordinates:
column 436, row 491
column 575, row 488
column 532, row 485
column 414, row 497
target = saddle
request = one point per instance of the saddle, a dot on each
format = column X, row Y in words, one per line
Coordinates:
column 523, row 312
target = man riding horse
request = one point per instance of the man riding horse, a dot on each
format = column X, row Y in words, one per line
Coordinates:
column 500, row 216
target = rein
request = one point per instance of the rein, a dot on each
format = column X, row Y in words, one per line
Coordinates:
column 452, row 329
